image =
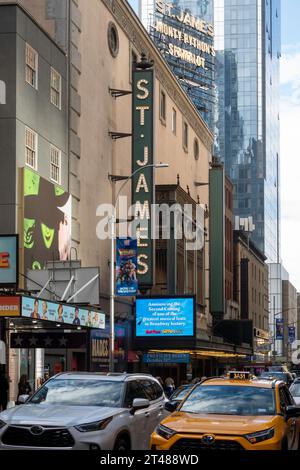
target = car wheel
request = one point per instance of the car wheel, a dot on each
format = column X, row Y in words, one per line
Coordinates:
column 122, row 445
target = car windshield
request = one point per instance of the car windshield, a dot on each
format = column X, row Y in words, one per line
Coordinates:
column 275, row 375
column 180, row 393
column 230, row 400
column 295, row 390
column 73, row 392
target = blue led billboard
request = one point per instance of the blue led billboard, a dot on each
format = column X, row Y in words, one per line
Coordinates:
column 165, row 317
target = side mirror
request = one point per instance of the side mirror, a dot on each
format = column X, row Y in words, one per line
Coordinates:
column 23, row 399
column 140, row 404
column 171, row 406
column 292, row 412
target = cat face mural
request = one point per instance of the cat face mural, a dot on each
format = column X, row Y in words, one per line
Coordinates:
column 47, row 221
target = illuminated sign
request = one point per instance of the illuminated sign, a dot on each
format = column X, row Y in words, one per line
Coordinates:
column 142, row 182
column 239, row 375
column 9, row 306
column 184, row 17
column 8, row 260
column 184, row 33
column 187, row 43
column 38, row 309
column 165, row 317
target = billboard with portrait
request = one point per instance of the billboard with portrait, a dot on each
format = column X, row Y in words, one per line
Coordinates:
column 165, row 317
column 47, row 221
column 9, row 250
column 38, row 309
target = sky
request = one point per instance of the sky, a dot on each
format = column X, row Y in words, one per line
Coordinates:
column 290, row 139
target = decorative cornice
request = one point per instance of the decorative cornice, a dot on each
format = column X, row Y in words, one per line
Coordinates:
column 139, row 37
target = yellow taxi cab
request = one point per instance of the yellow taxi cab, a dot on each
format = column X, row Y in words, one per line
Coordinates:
column 236, row 412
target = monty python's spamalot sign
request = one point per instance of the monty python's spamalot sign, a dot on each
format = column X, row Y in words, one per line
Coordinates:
column 187, row 38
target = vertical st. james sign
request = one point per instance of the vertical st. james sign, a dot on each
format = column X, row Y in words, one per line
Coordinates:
column 143, row 181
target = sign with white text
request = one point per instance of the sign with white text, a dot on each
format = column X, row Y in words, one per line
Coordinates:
column 143, row 180
column 165, row 317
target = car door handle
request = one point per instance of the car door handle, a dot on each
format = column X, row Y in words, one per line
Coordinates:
column 147, row 415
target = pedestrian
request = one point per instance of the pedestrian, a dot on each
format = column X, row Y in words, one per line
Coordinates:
column 3, row 391
column 169, row 386
column 24, row 387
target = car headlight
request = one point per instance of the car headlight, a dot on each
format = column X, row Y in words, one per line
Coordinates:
column 260, row 436
column 2, row 424
column 95, row 426
column 164, row 432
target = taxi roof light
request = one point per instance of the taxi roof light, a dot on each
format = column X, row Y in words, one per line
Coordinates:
column 236, row 375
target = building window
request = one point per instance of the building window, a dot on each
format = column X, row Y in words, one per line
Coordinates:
column 185, row 136
column 31, row 148
column 31, row 71
column 55, row 164
column 163, row 107
column 196, row 149
column 174, row 121
column 55, row 88
column 113, row 39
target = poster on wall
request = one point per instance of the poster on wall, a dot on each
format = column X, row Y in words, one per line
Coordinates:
column 126, row 269
column 9, row 250
column 165, row 317
column 38, row 309
column 47, row 221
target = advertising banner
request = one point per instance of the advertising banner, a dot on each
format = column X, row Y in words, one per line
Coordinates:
column 61, row 313
column 9, row 306
column 126, row 270
column 9, row 251
column 143, row 179
column 291, row 334
column 165, row 317
column 279, row 328
column 47, row 221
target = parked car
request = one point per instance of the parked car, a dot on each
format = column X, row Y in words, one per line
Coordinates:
column 86, row 411
column 284, row 376
column 295, row 391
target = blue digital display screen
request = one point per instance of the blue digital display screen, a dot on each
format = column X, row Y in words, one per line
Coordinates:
column 165, row 317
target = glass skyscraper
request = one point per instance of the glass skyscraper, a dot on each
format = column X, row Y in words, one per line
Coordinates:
column 248, row 39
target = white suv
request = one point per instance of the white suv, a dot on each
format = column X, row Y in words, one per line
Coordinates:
column 86, row 411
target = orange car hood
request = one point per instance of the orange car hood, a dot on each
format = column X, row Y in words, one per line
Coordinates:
column 218, row 424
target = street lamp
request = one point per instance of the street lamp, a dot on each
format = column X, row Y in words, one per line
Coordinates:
column 112, row 264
